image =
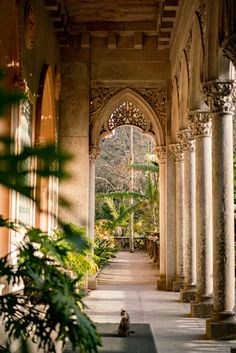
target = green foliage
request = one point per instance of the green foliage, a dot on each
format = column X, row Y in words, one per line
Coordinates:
column 105, row 247
column 49, row 300
column 145, row 207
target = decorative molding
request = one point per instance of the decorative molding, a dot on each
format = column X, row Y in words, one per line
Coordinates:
column 220, row 96
column 177, row 150
column 94, row 152
column 127, row 114
column 186, row 139
column 201, row 124
column 161, row 154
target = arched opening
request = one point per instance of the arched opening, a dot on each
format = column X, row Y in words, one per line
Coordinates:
column 127, row 108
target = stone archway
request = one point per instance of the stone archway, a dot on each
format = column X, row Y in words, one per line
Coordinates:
column 126, row 107
column 144, row 116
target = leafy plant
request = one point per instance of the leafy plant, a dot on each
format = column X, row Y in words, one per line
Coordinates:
column 48, row 300
column 105, row 247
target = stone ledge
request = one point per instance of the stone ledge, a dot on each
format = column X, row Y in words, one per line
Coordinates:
column 202, row 310
column 187, row 295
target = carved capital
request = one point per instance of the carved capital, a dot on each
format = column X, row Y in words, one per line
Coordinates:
column 220, row 96
column 186, row 139
column 94, row 152
column 200, row 123
column 161, row 154
column 177, row 150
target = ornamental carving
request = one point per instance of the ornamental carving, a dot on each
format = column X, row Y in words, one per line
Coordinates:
column 99, row 97
column 94, row 152
column 30, row 25
column 177, row 150
column 157, row 99
column 127, row 114
column 202, row 15
column 201, row 124
column 220, row 96
column 186, row 139
column 161, row 154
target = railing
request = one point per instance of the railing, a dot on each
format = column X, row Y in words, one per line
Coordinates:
column 139, row 242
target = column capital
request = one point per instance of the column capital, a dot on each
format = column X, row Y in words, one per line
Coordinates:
column 201, row 124
column 94, row 152
column 161, row 154
column 177, row 150
column 220, row 96
column 186, row 139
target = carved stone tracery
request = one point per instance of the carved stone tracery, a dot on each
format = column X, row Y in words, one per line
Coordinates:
column 177, row 150
column 220, row 96
column 154, row 96
column 127, row 114
column 200, row 123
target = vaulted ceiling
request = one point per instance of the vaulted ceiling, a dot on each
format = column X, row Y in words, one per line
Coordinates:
column 113, row 22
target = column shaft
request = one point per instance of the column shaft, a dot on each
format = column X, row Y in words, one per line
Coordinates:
column 221, row 97
column 187, row 294
column 177, row 150
column 201, row 125
column 161, row 156
column 223, row 221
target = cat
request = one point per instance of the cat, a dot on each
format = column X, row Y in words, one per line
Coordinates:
column 124, row 325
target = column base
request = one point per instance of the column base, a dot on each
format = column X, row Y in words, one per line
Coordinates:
column 178, row 284
column 161, row 283
column 222, row 329
column 202, row 309
column 188, row 295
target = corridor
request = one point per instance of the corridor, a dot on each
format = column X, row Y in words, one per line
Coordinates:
column 129, row 282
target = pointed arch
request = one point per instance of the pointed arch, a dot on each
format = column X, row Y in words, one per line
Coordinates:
column 153, row 126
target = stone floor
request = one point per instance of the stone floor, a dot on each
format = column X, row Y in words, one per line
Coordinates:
column 129, row 282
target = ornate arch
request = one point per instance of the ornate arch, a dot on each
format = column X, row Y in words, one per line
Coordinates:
column 126, row 108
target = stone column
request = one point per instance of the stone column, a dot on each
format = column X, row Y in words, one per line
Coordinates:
column 177, row 150
column 161, row 157
column 201, row 126
column 93, row 154
column 188, row 293
column 220, row 97
column 170, row 220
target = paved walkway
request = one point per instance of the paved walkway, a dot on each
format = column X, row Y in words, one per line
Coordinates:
column 129, row 282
